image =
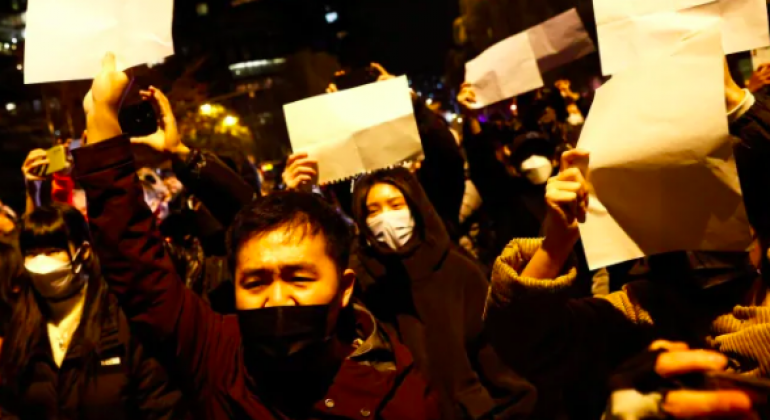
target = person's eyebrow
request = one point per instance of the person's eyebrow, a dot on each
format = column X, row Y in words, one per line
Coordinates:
column 299, row 267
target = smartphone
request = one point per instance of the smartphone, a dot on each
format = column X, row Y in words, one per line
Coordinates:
column 57, row 161
column 356, row 77
column 138, row 120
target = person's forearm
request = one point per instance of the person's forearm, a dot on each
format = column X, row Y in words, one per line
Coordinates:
column 102, row 124
column 221, row 190
column 549, row 260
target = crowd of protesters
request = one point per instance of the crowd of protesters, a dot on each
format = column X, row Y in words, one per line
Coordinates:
column 416, row 292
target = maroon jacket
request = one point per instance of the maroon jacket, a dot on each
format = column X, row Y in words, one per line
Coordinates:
column 206, row 346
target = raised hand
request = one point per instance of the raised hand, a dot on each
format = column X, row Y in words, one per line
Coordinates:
column 759, row 79
column 467, row 98
column 103, row 101
column 734, row 95
column 567, row 198
column 34, row 166
column 301, row 172
column 384, row 75
column 165, row 142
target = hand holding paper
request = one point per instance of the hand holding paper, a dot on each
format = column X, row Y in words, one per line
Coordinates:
column 66, row 39
column 662, row 170
column 514, row 65
column 356, row 131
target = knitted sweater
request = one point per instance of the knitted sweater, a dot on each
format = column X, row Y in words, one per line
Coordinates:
column 642, row 311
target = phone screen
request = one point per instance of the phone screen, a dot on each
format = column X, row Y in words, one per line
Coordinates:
column 57, row 159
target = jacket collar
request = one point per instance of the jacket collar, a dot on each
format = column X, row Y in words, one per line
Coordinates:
column 109, row 341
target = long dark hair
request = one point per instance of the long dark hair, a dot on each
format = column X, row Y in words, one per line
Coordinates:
column 12, row 276
column 55, row 226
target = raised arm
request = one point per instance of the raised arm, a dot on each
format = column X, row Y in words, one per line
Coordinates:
column 131, row 252
column 220, row 189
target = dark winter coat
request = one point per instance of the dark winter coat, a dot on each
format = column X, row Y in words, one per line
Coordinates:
column 433, row 296
column 207, row 346
column 124, row 383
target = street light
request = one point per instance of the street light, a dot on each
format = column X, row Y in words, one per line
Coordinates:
column 230, row 121
column 206, row 109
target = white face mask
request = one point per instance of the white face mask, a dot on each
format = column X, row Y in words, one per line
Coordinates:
column 393, row 228
column 54, row 279
column 537, row 169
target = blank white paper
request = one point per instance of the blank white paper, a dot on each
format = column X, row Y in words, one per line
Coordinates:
column 662, row 171
column 67, row 39
column 356, row 131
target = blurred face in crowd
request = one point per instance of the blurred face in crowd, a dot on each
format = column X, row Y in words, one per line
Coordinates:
column 289, row 266
column 388, row 215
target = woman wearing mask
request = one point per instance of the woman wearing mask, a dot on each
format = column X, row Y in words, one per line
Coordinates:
column 68, row 352
column 415, row 282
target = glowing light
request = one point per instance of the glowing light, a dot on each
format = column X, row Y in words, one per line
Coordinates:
column 206, row 109
column 429, row 101
column 14, row 40
column 230, row 121
column 257, row 64
column 514, row 107
column 267, row 167
column 10, row 106
column 19, row 67
column 332, row 17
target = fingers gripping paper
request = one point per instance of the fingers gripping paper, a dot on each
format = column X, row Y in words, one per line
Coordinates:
column 633, row 30
column 662, row 170
column 356, row 131
column 67, row 39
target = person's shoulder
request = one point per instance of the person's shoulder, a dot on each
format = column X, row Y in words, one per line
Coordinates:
column 461, row 263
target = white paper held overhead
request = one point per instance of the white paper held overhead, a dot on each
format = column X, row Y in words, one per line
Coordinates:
column 67, row 39
column 356, row 131
column 662, row 170
column 560, row 40
column 504, row 70
column 634, row 30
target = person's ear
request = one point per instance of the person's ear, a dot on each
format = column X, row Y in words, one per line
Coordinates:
column 348, row 286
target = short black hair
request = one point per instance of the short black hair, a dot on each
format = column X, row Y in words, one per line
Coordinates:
column 293, row 210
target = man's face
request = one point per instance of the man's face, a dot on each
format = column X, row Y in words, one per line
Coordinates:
column 289, row 267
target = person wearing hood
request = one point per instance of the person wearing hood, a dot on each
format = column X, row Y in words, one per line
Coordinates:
column 298, row 347
column 423, row 288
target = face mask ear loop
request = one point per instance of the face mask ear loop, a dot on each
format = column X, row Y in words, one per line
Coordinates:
column 77, row 260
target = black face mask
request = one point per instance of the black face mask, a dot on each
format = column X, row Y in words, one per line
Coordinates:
column 286, row 337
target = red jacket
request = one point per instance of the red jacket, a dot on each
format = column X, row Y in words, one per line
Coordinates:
column 206, row 346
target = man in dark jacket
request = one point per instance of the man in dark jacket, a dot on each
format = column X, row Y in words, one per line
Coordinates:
column 433, row 297
column 298, row 347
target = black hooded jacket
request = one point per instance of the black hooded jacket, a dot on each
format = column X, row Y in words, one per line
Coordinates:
column 433, row 297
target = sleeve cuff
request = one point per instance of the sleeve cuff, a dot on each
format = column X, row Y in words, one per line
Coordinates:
column 102, row 156
column 507, row 270
column 748, row 101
